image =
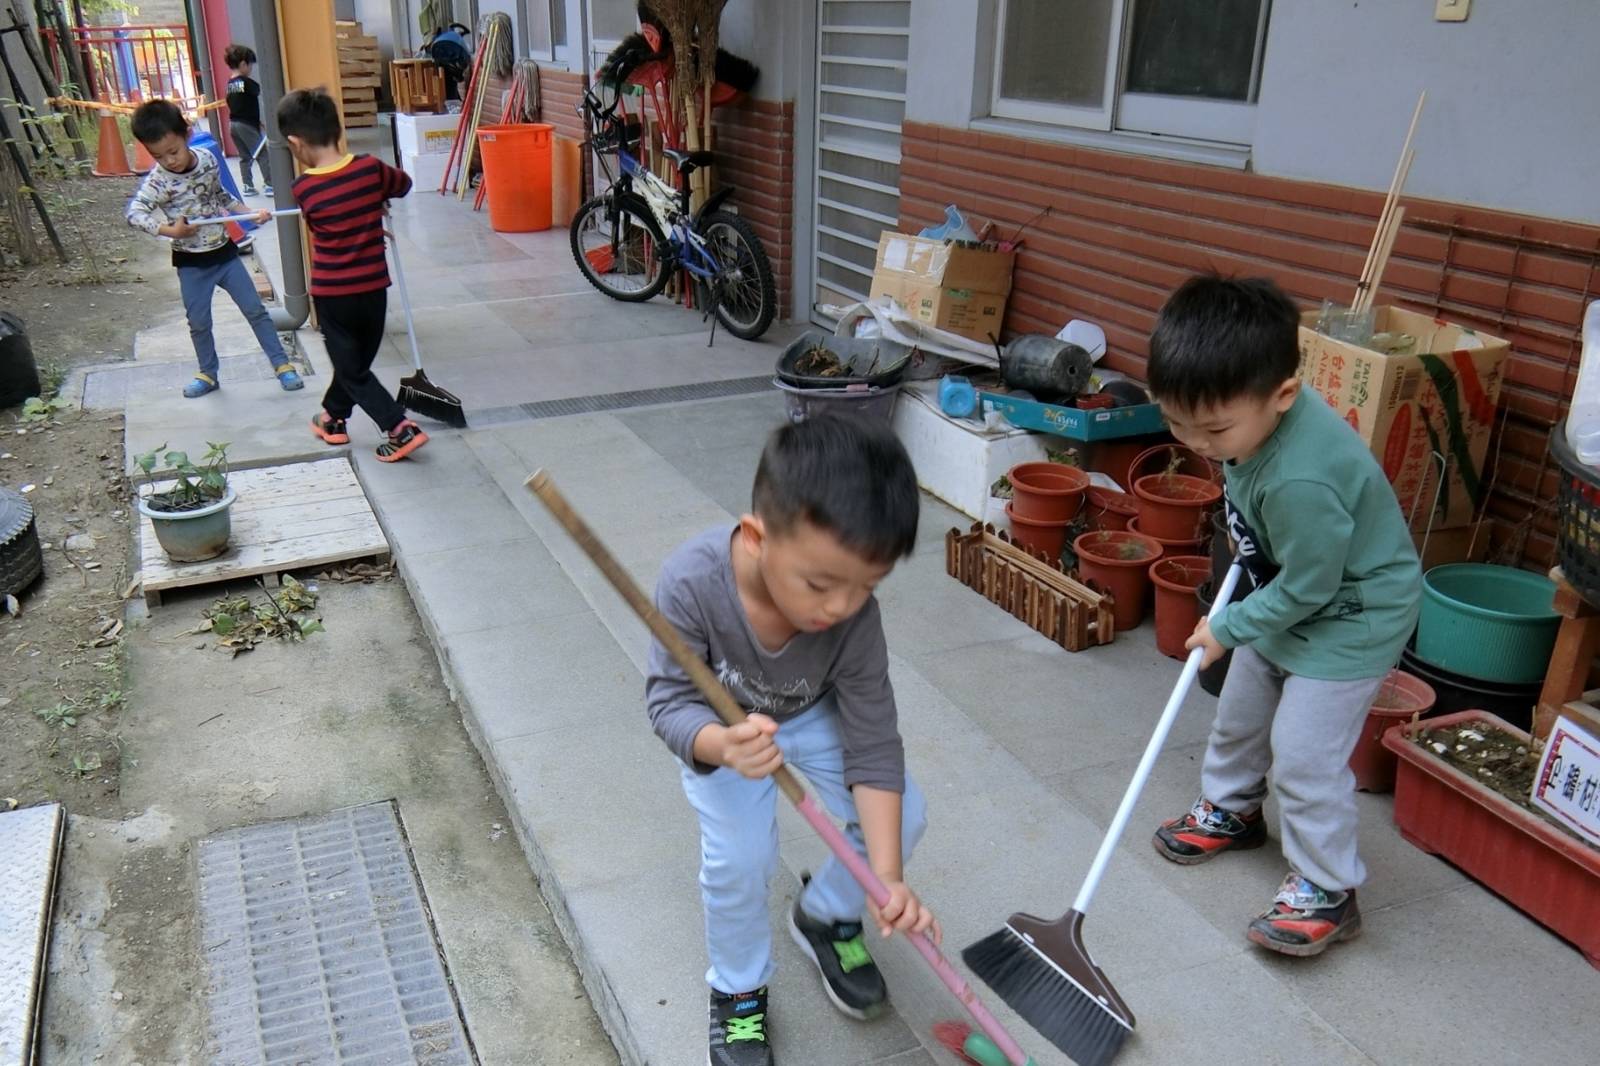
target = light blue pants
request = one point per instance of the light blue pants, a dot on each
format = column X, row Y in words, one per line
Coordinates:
column 197, row 283
column 739, row 848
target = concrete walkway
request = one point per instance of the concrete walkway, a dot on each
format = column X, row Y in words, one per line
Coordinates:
column 1022, row 748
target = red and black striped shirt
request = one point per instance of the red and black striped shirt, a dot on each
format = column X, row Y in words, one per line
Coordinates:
column 342, row 206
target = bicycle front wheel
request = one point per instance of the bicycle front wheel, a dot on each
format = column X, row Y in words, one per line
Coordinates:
column 617, row 247
column 749, row 299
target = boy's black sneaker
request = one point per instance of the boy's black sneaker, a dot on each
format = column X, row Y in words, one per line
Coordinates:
column 849, row 976
column 1305, row 918
column 739, row 1030
column 1207, row 831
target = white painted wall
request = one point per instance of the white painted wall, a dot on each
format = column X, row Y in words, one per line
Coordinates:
column 1511, row 121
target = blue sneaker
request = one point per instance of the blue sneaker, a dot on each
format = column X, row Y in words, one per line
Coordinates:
column 202, row 384
column 289, row 379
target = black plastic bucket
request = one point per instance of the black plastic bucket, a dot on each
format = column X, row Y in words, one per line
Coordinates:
column 1212, row 677
column 1453, row 693
column 19, row 374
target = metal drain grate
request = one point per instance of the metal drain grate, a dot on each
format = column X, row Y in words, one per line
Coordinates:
column 30, row 843
column 616, row 401
column 320, row 948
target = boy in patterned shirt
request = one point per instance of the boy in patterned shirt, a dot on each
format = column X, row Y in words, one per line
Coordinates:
column 186, row 184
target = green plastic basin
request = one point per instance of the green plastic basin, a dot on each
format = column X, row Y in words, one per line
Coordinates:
column 1490, row 623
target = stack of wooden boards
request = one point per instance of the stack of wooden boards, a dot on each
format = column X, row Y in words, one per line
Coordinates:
column 360, row 71
column 1032, row 588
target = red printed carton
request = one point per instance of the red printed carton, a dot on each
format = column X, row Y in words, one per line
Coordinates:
column 1430, row 409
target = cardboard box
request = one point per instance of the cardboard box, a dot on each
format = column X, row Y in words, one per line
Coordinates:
column 426, row 134
column 1463, row 544
column 1441, row 399
column 948, row 286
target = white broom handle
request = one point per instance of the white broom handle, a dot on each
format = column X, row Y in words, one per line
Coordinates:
column 1180, row 692
column 405, row 299
column 251, row 217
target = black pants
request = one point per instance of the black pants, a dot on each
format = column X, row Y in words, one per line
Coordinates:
column 352, row 326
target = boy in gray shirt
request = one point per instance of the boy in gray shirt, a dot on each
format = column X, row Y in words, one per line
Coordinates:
column 782, row 608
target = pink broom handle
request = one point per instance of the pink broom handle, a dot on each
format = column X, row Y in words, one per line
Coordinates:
column 731, row 713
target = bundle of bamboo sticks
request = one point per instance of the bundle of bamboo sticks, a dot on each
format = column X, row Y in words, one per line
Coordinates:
column 1389, row 220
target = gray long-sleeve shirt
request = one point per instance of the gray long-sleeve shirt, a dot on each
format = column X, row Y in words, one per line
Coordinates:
column 696, row 593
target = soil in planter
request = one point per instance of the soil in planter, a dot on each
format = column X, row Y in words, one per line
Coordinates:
column 1128, row 550
column 1496, row 760
column 166, row 503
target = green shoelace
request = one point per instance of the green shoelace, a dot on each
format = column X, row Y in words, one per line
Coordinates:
column 746, row 1027
column 852, row 953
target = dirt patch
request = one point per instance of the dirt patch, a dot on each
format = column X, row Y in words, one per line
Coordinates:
column 117, row 280
column 1494, row 759
column 61, row 664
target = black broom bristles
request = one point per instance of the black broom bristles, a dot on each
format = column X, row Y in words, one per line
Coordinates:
column 1046, row 998
column 418, row 394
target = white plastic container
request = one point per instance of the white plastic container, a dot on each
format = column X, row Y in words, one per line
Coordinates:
column 1583, row 420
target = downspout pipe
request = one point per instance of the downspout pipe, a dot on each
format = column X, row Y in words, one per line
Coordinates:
column 200, row 54
column 295, row 307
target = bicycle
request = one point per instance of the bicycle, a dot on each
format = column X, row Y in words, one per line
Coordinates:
column 637, row 233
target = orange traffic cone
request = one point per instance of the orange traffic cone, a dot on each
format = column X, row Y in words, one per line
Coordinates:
column 112, row 160
column 143, row 161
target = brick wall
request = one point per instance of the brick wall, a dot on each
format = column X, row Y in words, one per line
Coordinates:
column 1124, row 230
column 754, row 142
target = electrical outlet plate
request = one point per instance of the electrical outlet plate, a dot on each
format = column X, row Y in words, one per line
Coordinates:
column 1451, row 10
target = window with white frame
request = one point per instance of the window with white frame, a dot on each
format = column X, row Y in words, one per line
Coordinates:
column 1184, row 68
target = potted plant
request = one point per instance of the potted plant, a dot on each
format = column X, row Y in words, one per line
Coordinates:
column 1046, row 492
column 1401, row 697
column 1176, row 578
column 1175, row 506
column 1118, row 562
column 1463, row 793
column 1109, row 509
column 190, row 516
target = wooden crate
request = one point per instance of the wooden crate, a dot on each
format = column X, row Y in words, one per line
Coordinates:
column 1032, row 588
column 290, row 517
column 417, row 86
column 360, row 74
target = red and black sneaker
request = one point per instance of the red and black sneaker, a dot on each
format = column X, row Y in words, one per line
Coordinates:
column 1304, row 919
column 331, row 430
column 404, row 439
column 1207, row 831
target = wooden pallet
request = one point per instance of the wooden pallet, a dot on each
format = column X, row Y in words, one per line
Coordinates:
column 291, row 517
column 360, row 74
column 1032, row 588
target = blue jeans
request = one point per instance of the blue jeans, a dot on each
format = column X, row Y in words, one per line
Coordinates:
column 197, row 283
column 739, row 848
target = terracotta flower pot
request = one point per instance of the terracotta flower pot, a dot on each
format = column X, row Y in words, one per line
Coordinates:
column 1172, row 459
column 1118, row 563
column 1047, row 492
column 1048, row 537
column 1550, row 876
column 1109, row 509
column 1174, row 547
column 1176, row 578
column 1400, row 697
column 1175, row 506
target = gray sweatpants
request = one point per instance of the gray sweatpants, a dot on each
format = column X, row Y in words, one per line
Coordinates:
column 1303, row 730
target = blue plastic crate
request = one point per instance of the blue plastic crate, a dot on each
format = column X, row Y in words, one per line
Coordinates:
column 1105, row 424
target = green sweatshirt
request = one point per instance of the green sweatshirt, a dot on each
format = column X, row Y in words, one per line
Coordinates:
column 1318, row 527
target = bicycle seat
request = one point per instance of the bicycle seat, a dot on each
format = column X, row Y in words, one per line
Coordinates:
column 689, row 162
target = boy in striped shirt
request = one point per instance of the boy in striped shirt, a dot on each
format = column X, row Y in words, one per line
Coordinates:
column 342, row 200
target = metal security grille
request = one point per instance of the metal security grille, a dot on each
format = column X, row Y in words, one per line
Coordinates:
column 862, row 50
column 320, row 949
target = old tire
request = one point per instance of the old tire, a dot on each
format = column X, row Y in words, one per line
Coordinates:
column 21, row 560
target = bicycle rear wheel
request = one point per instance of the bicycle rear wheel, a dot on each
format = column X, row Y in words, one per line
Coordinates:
column 617, row 247
column 749, row 299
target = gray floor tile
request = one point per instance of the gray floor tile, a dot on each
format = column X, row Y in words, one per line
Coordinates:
column 440, row 519
column 489, row 585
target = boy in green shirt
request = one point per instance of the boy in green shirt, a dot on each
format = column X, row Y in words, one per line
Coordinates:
column 1334, row 587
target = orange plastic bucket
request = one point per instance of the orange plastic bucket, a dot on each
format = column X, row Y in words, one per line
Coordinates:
column 516, row 169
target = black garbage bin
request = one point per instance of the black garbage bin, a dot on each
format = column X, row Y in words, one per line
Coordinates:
column 19, row 374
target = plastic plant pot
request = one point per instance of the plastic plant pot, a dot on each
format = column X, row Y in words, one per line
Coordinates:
column 1108, row 509
column 1175, row 506
column 192, row 536
column 1401, row 698
column 1491, row 623
column 1453, row 693
column 1177, row 578
column 1551, row 876
column 1047, row 492
column 1172, row 459
column 1118, row 563
column 1197, row 546
column 1047, row 537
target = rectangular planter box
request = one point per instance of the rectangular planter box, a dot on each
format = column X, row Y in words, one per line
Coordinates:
column 1548, row 875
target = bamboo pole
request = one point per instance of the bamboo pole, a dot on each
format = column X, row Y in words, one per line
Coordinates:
column 1402, row 169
